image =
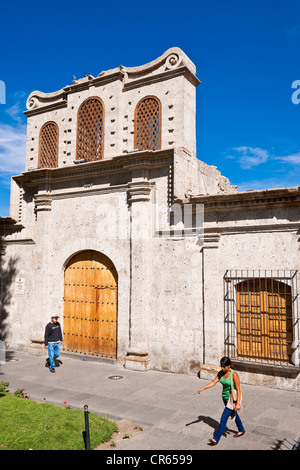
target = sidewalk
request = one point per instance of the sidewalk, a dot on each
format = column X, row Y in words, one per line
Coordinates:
column 178, row 418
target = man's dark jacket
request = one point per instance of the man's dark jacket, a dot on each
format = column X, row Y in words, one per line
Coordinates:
column 53, row 333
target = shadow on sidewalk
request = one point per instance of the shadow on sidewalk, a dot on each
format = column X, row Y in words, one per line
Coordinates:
column 212, row 423
column 285, row 444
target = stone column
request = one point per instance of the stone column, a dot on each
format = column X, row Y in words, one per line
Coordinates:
column 43, row 204
column 139, row 194
column 213, row 309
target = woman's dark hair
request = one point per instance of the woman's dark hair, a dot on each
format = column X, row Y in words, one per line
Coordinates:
column 225, row 361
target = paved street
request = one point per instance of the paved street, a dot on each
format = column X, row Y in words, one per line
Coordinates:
column 177, row 417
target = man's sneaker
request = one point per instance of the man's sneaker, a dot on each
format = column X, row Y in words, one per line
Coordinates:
column 52, row 370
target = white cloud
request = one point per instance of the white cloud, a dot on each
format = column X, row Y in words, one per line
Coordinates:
column 290, row 159
column 12, row 149
column 249, row 157
column 15, row 112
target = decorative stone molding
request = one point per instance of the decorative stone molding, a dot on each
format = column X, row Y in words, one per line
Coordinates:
column 2, row 248
column 137, row 359
column 46, row 101
column 37, row 347
column 20, row 241
column 42, row 203
column 8, row 226
column 116, row 165
column 211, row 240
column 249, row 199
column 140, row 191
column 173, row 62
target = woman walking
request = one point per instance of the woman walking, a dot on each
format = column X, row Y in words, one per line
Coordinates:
column 225, row 376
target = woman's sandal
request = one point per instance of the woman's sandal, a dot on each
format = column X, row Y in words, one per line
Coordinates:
column 213, row 442
column 239, row 434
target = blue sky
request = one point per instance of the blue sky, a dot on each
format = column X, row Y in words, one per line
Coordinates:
column 246, row 54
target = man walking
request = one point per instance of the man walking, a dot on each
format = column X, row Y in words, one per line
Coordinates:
column 53, row 337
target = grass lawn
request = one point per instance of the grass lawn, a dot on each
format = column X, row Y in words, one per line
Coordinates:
column 25, row 424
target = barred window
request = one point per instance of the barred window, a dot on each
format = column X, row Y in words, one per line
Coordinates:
column 147, row 129
column 261, row 316
column 48, row 148
column 90, row 130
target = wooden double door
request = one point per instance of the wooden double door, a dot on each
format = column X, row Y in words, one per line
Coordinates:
column 265, row 330
column 90, row 305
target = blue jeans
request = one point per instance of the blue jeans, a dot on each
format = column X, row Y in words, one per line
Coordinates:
column 224, row 418
column 53, row 351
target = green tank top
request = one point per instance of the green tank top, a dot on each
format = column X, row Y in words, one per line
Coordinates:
column 227, row 386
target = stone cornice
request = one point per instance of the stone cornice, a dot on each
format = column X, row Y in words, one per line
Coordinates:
column 267, row 198
column 7, row 227
column 172, row 63
column 20, row 241
column 101, row 80
column 260, row 228
column 121, row 164
column 50, row 107
column 212, row 235
column 169, row 60
column 162, row 76
column 8, row 224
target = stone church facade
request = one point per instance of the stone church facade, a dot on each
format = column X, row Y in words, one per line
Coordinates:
column 150, row 256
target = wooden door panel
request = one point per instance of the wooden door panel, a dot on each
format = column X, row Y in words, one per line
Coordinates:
column 90, row 316
column 249, row 326
column 264, row 320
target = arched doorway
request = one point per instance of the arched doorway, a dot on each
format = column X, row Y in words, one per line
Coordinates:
column 90, row 305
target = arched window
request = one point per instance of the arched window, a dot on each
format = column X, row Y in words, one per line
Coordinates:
column 90, row 130
column 48, row 150
column 147, row 128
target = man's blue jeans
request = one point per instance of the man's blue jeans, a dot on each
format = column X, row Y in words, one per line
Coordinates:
column 224, row 418
column 53, row 351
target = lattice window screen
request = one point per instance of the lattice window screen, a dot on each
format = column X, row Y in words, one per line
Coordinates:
column 147, row 133
column 90, row 130
column 48, row 152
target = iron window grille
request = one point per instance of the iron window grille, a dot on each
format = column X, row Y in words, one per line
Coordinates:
column 90, row 130
column 147, row 129
column 48, row 146
column 261, row 316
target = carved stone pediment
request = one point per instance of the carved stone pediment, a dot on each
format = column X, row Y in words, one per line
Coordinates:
column 173, row 62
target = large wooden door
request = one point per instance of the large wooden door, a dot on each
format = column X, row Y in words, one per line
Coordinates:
column 264, row 310
column 90, row 305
